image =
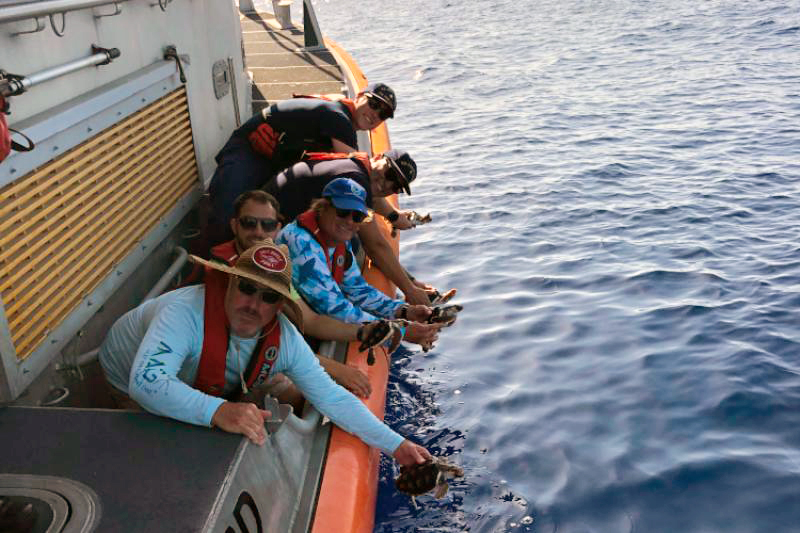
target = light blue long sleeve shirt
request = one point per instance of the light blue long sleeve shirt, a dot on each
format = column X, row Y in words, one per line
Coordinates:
column 152, row 353
column 354, row 302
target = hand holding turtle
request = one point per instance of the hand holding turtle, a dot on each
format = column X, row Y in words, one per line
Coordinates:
column 418, row 479
column 414, row 313
column 423, row 334
column 408, row 454
column 408, row 219
column 243, row 418
column 403, row 221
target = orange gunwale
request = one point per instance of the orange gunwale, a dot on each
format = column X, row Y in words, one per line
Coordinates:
column 348, row 492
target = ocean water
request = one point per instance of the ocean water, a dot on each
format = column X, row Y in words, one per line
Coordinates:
column 615, row 192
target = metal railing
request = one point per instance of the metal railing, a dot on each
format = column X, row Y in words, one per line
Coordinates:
column 35, row 10
column 12, row 84
column 281, row 9
column 38, row 10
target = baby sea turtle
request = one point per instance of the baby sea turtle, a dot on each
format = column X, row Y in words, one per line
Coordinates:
column 415, row 218
column 445, row 315
column 438, row 298
column 379, row 332
column 418, row 479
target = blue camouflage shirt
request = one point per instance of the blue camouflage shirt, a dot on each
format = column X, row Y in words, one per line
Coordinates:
column 355, row 301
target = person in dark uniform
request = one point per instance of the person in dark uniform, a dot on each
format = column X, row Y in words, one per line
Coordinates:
column 382, row 175
column 277, row 137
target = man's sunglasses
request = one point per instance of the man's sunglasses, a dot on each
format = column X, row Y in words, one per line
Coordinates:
column 380, row 107
column 393, row 175
column 358, row 216
column 267, row 224
column 248, row 288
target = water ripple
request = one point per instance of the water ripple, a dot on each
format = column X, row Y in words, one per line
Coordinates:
column 614, row 188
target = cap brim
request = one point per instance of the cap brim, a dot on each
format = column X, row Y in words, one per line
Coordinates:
column 291, row 309
column 404, row 183
column 349, row 203
column 387, row 103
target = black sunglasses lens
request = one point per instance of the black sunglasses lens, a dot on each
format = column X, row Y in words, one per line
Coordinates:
column 270, row 297
column 383, row 112
column 247, row 288
column 267, row 224
column 358, row 216
column 248, row 222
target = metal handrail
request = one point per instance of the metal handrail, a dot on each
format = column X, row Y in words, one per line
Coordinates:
column 49, row 7
column 11, row 84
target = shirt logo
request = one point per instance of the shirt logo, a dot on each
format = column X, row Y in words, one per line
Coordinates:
column 269, row 259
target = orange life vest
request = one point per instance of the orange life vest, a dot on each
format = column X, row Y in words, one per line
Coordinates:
column 336, row 264
column 360, row 157
column 216, row 335
column 349, row 103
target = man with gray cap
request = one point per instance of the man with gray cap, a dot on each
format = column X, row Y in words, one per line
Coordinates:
column 186, row 354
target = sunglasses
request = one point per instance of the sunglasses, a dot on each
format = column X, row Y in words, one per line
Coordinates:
column 267, row 224
column 358, row 216
column 380, row 107
column 248, row 288
column 396, row 176
column 393, row 176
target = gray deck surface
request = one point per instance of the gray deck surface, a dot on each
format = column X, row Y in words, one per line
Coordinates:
column 280, row 67
column 150, row 473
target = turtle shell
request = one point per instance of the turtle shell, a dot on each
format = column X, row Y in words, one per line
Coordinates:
column 417, row 479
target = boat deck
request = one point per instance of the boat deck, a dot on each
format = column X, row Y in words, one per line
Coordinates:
column 279, row 66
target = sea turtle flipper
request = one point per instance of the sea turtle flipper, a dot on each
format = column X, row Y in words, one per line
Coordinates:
column 441, row 489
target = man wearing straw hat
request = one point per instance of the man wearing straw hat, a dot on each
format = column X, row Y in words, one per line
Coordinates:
column 183, row 354
column 257, row 217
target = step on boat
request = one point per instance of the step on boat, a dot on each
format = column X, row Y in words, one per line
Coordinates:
column 127, row 107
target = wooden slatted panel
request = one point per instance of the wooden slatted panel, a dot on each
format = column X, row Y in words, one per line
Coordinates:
column 65, row 226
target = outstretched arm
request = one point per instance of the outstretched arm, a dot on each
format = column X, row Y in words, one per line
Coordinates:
column 313, row 280
column 326, row 328
column 382, row 255
column 347, row 376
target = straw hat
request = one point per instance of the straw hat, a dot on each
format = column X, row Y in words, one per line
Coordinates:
column 268, row 265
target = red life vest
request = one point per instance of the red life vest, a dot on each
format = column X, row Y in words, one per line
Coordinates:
column 336, row 264
column 216, row 334
column 360, row 157
column 225, row 252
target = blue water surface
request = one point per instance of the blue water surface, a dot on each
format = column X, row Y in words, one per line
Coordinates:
column 615, row 188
